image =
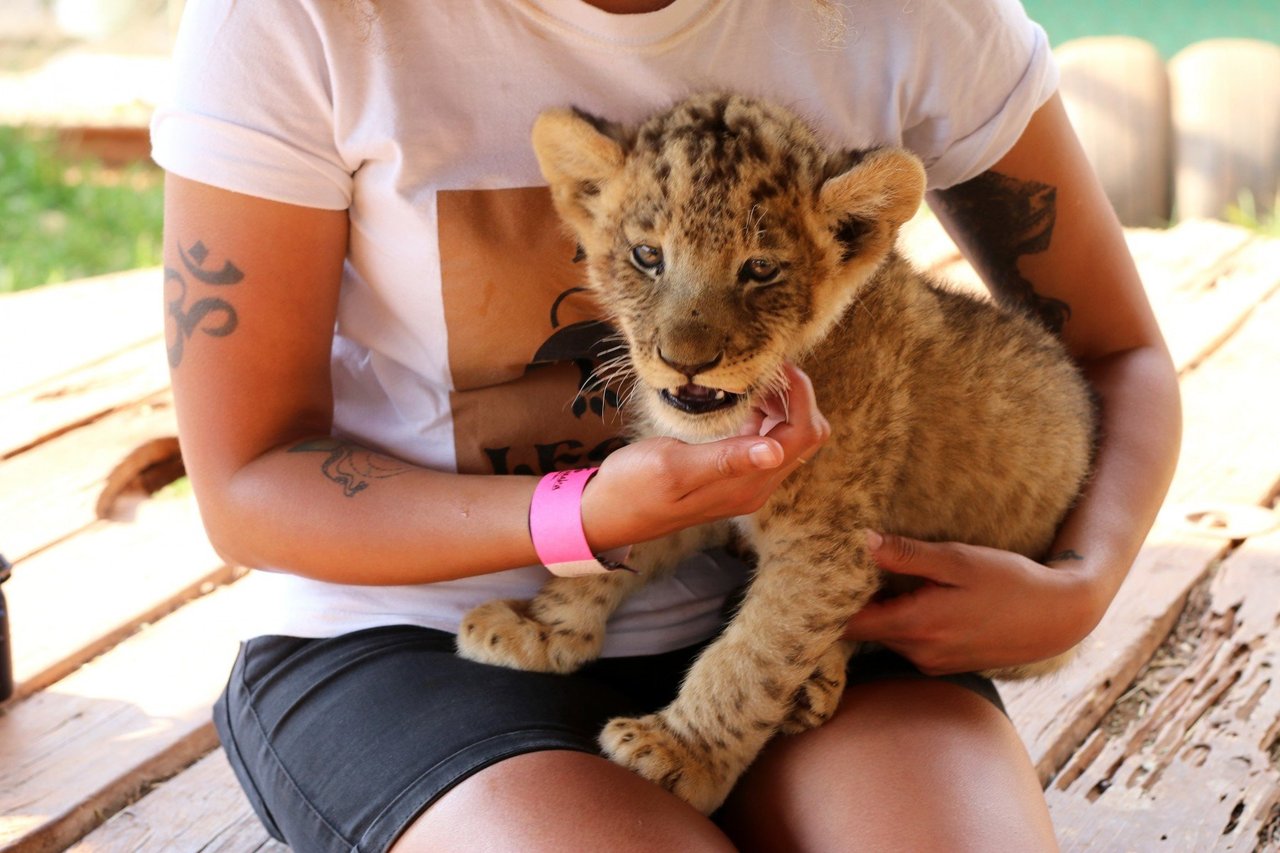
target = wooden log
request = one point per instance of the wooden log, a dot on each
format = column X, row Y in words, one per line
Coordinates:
column 51, row 331
column 52, row 491
column 88, row 745
column 104, row 584
column 1229, row 455
column 48, row 409
column 1200, row 770
column 201, row 810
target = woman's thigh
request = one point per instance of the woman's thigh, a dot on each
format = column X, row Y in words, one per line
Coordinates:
column 912, row 765
column 341, row 743
column 556, row 802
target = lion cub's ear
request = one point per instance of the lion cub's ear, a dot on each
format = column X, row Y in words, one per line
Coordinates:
column 885, row 185
column 577, row 158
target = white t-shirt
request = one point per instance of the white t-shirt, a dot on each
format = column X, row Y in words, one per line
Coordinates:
column 462, row 336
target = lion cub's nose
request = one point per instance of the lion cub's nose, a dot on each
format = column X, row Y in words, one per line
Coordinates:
column 684, row 362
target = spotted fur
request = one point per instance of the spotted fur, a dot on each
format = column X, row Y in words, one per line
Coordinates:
column 951, row 419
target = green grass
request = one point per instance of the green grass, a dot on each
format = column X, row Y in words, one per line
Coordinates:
column 179, row 489
column 61, row 220
column 1245, row 213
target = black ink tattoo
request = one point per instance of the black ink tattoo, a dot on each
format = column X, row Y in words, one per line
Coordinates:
column 1065, row 555
column 186, row 321
column 351, row 466
column 1001, row 220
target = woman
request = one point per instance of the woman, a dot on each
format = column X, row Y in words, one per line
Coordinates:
column 372, row 313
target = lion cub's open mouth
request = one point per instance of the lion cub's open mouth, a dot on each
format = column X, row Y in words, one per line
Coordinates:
column 699, row 399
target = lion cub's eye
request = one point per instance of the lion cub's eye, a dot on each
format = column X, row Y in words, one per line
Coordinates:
column 648, row 258
column 759, row 270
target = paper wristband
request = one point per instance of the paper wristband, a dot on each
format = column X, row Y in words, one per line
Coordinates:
column 555, row 525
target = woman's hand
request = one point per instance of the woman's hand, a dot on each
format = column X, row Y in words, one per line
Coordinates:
column 660, row 485
column 978, row 608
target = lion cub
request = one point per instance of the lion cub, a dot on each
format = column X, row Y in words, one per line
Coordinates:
column 723, row 240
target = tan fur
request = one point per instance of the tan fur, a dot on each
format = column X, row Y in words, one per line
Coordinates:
column 951, row 419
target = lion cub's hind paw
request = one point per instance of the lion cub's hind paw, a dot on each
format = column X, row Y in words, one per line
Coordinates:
column 505, row 633
column 646, row 745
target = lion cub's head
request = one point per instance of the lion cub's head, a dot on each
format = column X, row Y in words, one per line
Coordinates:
column 723, row 239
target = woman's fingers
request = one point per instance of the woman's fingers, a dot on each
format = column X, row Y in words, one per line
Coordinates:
column 659, row 485
column 804, row 429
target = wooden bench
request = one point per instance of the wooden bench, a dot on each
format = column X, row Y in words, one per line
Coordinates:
column 1164, row 735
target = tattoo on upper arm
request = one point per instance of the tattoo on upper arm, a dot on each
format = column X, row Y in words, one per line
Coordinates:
column 351, row 466
column 1003, row 219
column 220, row 313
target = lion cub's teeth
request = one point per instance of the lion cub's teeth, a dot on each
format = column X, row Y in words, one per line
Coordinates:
column 720, row 394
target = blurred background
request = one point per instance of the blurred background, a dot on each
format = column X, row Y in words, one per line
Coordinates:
column 78, row 81
column 1178, row 104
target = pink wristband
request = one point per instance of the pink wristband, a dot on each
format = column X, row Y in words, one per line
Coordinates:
column 555, row 525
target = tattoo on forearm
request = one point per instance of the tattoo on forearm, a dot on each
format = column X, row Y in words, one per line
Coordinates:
column 1065, row 555
column 1004, row 219
column 187, row 320
column 351, row 466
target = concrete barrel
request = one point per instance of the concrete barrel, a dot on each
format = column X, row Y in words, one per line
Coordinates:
column 1116, row 92
column 1226, row 118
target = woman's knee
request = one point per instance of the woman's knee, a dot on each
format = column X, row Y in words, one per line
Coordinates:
column 559, row 800
column 903, row 765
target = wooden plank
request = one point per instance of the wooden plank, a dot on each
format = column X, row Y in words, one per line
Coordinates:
column 53, row 330
column 925, row 242
column 52, row 491
column 1176, row 265
column 104, row 584
column 1200, row 770
column 201, row 810
column 48, row 409
column 1229, row 456
column 1202, row 313
column 86, row 746
column 1184, row 255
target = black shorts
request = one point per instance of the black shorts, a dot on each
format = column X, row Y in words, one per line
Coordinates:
column 340, row 743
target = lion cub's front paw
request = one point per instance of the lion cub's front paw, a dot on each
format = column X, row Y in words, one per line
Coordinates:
column 648, row 746
column 817, row 699
column 505, row 633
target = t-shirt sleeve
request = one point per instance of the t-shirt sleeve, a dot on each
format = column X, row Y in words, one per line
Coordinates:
column 983, row 70
column 251, row 108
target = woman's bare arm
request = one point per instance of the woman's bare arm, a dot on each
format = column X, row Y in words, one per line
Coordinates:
column 251, row 295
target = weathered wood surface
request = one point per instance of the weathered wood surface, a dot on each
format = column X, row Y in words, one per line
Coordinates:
column 117, row 676
column 50, row 408
column 1199, row 768
column 86, row 746
column 58, row 330
column 1201, row 306
column 52, row 491
column 75, row 352
column 108, row 582
column 201, row 810
column 1230, row 456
